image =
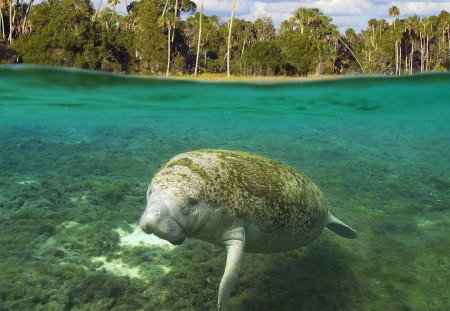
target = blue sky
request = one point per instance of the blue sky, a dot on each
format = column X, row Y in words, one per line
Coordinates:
column 345, row 13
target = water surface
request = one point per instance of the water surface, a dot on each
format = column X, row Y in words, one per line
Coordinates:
column 79, row 148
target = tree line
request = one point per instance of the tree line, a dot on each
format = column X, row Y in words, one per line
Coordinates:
column 152, row 38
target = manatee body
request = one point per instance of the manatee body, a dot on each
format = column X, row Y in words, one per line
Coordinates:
column 239, row 200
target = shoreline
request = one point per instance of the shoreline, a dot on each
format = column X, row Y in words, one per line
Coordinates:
column 219, row 77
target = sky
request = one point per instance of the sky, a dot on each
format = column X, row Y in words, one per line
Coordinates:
column 345, row 13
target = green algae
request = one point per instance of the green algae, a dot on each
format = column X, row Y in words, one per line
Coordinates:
column 192, row 166
column 112, row 191
column 53, row 229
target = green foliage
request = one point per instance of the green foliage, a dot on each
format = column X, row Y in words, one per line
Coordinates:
column 263, row 58
column 70, row 33
column 63, row 34
column 116, row 50
column 151, row 43
column 298, row 52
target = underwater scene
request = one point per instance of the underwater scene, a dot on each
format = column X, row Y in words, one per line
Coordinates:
column 78, row 150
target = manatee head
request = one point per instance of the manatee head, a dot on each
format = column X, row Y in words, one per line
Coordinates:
column 163, row 217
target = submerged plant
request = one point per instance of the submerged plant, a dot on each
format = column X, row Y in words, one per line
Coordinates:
column 111, row 191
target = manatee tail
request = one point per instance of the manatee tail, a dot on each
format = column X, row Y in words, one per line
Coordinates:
column 340, row 228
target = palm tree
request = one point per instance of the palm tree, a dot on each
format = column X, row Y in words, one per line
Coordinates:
column 411, row 24
column 321, row 31
column 429, row 25
column 287, row 25
column 199, row 36
column 398, row 51
column 443, row 29
column 302, row 15
column 423, row 43
column 394, row 11
column 229, row 37
column 383, row 25
column 313, row 18
column 373, row 24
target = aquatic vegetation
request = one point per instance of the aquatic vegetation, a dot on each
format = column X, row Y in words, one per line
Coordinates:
column 112, row 191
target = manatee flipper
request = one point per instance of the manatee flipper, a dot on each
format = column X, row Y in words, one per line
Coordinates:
column 234, row 242
column 340, row 228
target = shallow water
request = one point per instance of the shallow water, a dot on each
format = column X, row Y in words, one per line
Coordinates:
column 78, row 149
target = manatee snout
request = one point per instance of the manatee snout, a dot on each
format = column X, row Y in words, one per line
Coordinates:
column 159, row 219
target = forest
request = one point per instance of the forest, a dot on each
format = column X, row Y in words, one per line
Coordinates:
column 174, row 37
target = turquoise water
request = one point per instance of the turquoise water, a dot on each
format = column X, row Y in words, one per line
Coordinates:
column 79, row 148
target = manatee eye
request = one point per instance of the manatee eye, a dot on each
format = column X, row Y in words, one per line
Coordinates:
column 192, row 203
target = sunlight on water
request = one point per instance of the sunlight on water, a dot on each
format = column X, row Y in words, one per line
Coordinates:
column 78, row 149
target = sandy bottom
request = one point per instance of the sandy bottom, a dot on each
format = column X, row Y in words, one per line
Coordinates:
column 140, row 238
column 136, row 238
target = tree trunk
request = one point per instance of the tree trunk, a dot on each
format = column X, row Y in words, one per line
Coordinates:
column 168, row 52
column 243, row 48
column 2, row 25
column 406, row 63
column 175, row 20
column 25, row 18
column 11, row 28
column 229, row 37
column 396, row 58
column 422, row 52
column 444, row 46
column 206, row 51
column 411, row 58
column 96, row 11
column 165, row 8
column 448, row 57
column 199, row 37
column 427, row 55
column 373, row 38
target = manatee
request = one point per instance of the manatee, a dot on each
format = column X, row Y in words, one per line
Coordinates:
column 239, row 200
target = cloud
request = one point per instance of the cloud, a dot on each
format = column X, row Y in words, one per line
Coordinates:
column 344, row 7
column 421, row 8
column 345, row 13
